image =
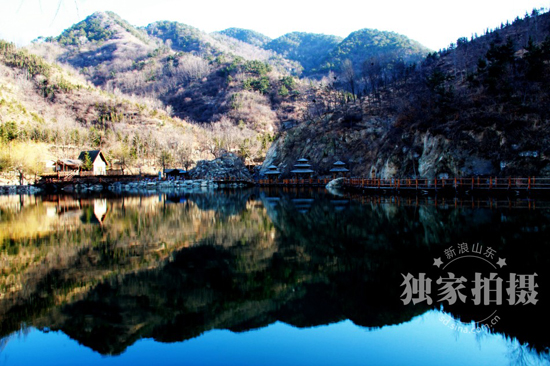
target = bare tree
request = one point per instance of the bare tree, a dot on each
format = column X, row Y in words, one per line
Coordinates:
column 348, row 73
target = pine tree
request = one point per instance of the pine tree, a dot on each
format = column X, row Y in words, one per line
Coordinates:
column 87, row 164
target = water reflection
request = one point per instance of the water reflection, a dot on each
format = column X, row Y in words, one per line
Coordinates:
column 108, row 271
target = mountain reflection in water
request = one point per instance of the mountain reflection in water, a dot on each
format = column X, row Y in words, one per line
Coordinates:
column 108, row 271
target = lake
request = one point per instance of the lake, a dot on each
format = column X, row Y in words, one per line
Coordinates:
column 271, row 277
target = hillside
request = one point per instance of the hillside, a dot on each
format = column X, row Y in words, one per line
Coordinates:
column 184, row 38
column 200, row 77
column 474, row 109
column 247, row 36
column 49, row 113
column 366, row 44
column 306, row 48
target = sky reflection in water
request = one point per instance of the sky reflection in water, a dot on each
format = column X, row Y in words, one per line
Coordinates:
column 425, row 340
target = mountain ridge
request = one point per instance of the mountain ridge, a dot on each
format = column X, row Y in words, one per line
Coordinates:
column 360, row 106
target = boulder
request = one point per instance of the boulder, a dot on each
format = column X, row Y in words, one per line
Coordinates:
column 337, row 183
column 226, row 166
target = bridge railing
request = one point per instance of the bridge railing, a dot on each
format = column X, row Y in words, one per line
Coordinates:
column 478, row 183
column 295, row 182
column 459, row 183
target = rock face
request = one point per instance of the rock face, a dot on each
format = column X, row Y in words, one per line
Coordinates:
column 378, row 147
column 226, row 166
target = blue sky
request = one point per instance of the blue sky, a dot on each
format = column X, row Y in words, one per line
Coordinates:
column 434, row 23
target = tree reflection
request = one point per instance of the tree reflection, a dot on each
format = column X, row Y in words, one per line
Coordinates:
column 175, row 267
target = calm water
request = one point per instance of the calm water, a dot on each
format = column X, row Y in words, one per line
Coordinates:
column 271, row 277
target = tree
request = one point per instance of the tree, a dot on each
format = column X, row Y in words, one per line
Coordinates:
column 123, row 153
column 537, row 60
column 8, row 131
column 165, row 158
column 87, row 164
column 260, row 85
column 184, row 150
column 257, row 67
column 500, row 69
column 348, row 73
column 283, row 91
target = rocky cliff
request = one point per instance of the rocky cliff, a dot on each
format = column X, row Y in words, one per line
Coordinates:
column 376, row 147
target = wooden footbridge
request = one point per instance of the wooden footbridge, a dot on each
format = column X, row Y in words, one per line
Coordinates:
column 472, row 186
column 307, row 182
column 442, row 186
column 434, row 186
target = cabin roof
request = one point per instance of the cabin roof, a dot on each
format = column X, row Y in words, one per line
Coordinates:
column 69, row 162
column 93, row 155
column 175, row 171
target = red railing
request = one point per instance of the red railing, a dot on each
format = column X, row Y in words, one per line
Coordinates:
column 295, row 182
column 490, row 183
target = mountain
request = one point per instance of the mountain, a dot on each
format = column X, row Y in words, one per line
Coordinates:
column 366, row 44
column 370, row 99
column 474, row 109
column 247, row 36
column 98, row 27
column 105, row 84
column 47, row 112
column 181, row 36
column 100, row 38
column 306, row 48
column 184, row 38
column 201, row 77
column 319, row 53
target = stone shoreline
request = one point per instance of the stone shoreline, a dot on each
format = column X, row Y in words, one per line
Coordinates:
column 167, row 186
column 18, row 189
column 153, row 186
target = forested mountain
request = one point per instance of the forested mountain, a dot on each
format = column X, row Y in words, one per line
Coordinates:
column 367, row 44
column 319, row 53
column 246, row 35
column 201, row 77
column 306, row 48
column 197, row 74
column 371, row 100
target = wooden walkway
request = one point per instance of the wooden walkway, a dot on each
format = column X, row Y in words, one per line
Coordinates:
column 293, row 182
column 436, row 186
column 451, row 185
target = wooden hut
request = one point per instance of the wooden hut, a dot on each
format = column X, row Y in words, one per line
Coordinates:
column 68, row 165
column 99, row 163
column 175, row 173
